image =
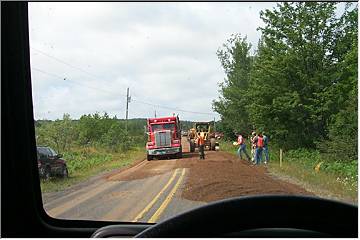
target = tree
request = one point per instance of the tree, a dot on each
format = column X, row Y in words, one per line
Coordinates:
column 341, row 143
column 237, row 62
column 293, row 66
column 300, row 86
column 59, row 134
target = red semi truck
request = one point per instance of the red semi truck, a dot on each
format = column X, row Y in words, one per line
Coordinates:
column 164, row 137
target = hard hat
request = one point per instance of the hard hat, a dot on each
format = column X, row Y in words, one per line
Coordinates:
column 253, row 133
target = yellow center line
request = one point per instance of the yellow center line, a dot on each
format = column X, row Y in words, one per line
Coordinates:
column 149, row 206
column 166, row 202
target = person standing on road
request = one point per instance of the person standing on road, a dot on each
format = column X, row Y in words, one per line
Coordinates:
column 201, row 144
column 242, row 147
column 259, row 148
column 265, row 148
column 253, row 146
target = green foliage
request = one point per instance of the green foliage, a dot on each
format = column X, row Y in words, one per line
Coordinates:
column 300, row 85
column 59, row 134
column 82, row 159
column 237, row 63
column 92, row 130
column 347, row 172
column 92, row 144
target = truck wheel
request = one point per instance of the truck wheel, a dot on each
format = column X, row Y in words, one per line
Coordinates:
column 192, row 146
column 65, row 172
column 149, row 157
column 179, row 155
column 212, row 144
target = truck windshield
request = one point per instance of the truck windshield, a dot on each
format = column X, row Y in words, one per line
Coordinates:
column 156, row 127
column 166, row 126
column 169, row 126
column 202, row 127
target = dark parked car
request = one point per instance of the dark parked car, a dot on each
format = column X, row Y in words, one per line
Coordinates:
column 51, row 163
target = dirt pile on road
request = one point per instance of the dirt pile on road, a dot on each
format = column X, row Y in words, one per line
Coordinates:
column 222, row 175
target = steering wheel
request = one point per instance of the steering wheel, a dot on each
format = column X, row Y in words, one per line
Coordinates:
column 261, row 216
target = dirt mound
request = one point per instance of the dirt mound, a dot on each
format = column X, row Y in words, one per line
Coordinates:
column 222, row 175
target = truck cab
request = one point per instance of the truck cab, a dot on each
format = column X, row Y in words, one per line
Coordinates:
column 164, row 137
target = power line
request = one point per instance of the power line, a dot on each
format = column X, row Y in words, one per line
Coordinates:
column 171, row 108
column 67, row 64
column 70, row 81
column 96, row 77
column 50, row 74
column 135, row 100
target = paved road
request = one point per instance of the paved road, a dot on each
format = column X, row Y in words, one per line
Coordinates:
column 152, row 191
column 147, row 192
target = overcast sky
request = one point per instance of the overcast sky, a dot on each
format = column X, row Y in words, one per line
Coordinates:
column 85, row 55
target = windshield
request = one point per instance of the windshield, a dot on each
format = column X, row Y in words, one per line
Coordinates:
column 156, row 127
column 202, row 127
column 164, row 126
column 53, row 153
column 277, row 82
column 169, row 126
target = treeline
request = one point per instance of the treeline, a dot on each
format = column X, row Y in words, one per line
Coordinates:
column 91, row 130
column 300, row 85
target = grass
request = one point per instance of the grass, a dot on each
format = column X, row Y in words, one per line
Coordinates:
column 333, row 179
column 321, row 183
column 84, row 163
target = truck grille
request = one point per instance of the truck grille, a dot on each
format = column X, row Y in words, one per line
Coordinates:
column 163, row 138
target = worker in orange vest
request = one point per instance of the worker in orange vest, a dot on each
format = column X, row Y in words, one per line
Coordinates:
column 201, row 144
column 259, row 140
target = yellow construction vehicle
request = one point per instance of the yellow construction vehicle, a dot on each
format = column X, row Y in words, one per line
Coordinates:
column 207, row 128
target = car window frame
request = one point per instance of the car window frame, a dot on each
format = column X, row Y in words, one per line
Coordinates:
column 24, row 196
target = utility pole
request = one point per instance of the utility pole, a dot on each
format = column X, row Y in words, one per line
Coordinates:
column 155, row 113
column 127, row 108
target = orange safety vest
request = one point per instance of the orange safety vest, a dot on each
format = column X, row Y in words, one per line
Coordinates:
column 260, row 142
column 201, row 141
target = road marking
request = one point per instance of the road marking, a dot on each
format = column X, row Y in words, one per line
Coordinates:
column 54, row 212
column 166, row 202
column 151, row 204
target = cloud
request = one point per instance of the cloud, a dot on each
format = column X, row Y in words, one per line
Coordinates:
column 164, row 52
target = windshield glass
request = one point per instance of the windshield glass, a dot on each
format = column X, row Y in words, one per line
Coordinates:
column 156, row 127
column 277, row 82
column 169, row 126
column 53, row 153
column 202, row 127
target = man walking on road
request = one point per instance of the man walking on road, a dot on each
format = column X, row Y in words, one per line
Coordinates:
column 265, row 148
column 201, row 144
column 242, row 147
column 259, row 148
